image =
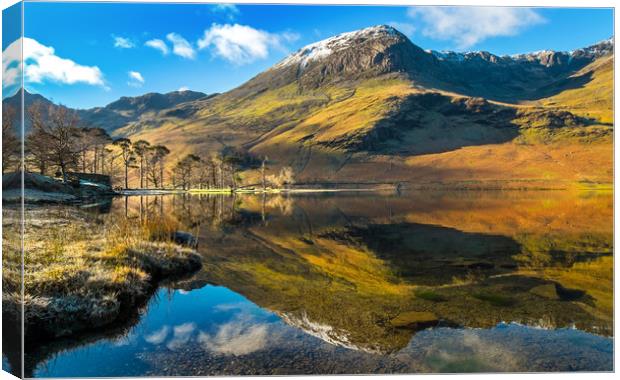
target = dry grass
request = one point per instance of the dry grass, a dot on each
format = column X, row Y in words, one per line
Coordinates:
column 80, row 274
column 595, row 98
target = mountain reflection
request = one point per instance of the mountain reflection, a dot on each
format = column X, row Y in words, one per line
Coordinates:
column 346, row 267
column 371, row 272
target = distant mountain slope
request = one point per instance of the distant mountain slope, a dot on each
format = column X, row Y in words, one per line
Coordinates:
column 15, row 101
column 131, row 109
column 118, row 113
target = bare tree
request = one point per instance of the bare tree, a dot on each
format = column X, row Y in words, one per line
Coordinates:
column 155, row 164
column 36, row 146
column 127, row 156
column 263, row 172
column 140, row 148
column 184, row 169
column 57, row 136
column 10, row 141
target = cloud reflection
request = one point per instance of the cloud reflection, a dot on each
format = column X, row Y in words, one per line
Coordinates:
column 181, row 335
column 236, row 338
column 158, row 336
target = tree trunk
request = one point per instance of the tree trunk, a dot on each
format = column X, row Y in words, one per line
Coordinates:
column 102, row 160
column 95, row 161
column 126, row 168
column 233, row 181
column 64, row 172
column 161, row 174
column 221, row 177
column 262, row 172
column 141, row 171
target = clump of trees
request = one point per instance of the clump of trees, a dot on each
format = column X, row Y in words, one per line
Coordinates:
column 148, row 159
column 213, row 172
column 55, row 139
column 221, row 171
column 58, row 143
column 156, row 156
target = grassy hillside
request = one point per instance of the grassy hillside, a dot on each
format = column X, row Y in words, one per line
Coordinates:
column 589, row 92
column 389, row 129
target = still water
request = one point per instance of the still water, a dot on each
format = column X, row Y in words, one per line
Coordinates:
column 366, row 283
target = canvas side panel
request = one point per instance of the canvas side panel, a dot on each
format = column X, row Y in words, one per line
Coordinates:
column 12, row 205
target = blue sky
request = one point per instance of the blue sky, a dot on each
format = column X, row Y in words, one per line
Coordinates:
column 89, row 54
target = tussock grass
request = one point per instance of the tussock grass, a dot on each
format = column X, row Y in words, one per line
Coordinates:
column 80, row 274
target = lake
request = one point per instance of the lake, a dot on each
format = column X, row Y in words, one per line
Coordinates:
column 430, row 282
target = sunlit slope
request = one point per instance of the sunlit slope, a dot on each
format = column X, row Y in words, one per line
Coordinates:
column 371, row 106
column 589, row 92
column 387, row 129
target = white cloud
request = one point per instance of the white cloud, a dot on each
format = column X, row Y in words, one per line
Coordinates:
column 123, row 43
column 241, row 44
column 135, row 79
column 11, row 64
column 183, row 88
column 230, row 10
column 467, row 26
column 158, row 45
column 42, row 64
column 405, row 27
column 180, row 46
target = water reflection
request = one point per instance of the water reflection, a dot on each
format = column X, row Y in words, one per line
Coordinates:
column 352, row 283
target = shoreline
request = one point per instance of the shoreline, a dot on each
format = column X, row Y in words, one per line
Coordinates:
column 35, row 196
column 83, row 276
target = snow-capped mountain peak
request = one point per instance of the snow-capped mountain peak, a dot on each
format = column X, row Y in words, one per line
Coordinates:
column 324, row 48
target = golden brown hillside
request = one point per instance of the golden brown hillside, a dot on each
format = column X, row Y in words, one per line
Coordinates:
column 394, row 122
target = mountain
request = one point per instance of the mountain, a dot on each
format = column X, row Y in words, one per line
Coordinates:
column 15, row 101
column 371, row 106
column 118, row 113
column 131, row 109
column 29, row 98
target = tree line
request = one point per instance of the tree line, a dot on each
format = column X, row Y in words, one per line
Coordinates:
column 221, row 171
column 58, row 143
